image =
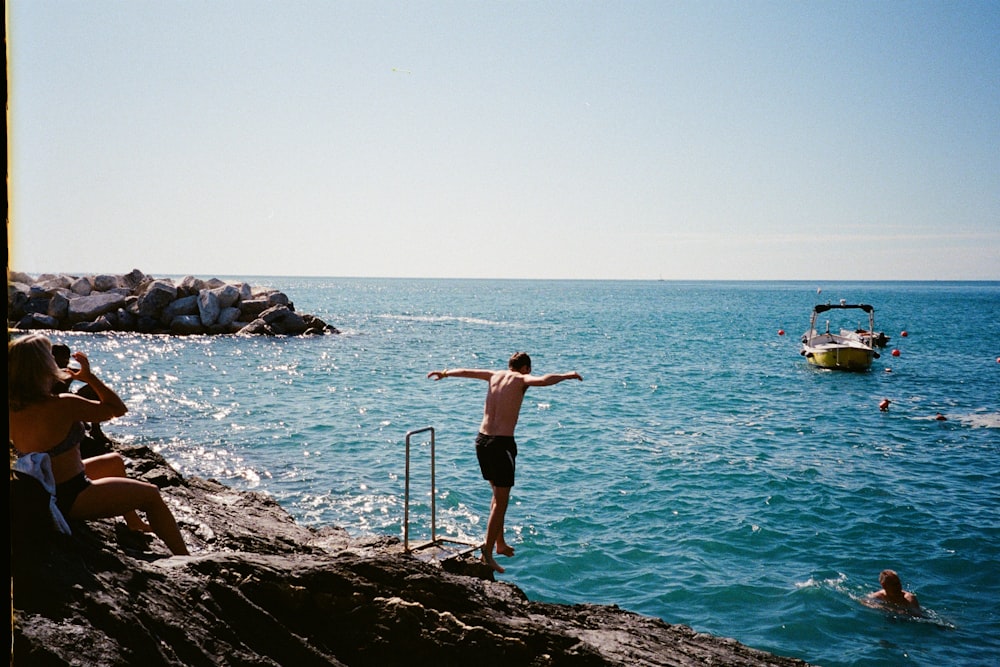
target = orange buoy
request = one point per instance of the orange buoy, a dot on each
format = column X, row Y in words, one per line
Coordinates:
column 884, row 405
column 895, row 353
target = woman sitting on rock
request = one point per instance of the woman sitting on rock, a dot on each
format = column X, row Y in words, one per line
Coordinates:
column 42, row 421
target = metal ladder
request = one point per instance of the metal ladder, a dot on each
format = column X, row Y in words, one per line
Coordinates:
column 435, row 548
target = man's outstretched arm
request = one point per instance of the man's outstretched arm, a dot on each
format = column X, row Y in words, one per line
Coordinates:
column 549, row 379
column 472, row 373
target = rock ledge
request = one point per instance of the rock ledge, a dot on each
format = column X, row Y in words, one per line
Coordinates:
column 261, row 589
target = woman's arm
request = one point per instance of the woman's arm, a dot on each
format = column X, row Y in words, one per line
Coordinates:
column 108, row 404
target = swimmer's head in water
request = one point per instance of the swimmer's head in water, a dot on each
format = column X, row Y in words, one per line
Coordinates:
column 890, row 581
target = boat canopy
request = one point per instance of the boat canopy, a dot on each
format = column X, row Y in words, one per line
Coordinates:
column 822, row 308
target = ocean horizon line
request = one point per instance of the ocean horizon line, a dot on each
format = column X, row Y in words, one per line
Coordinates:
column 679, row 281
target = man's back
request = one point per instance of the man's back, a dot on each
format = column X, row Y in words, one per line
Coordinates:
column 503, row 403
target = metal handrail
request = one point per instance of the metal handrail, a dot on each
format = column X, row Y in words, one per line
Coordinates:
column 406, row 496
column 434, row 541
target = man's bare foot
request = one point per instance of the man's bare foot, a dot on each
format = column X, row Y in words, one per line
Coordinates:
column 505, row 550
column 488, row 560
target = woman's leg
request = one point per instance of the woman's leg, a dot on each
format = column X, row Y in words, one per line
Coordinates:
column 113, row 465
column 112, row 496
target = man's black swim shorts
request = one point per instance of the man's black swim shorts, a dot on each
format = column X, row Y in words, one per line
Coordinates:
column 496, row 454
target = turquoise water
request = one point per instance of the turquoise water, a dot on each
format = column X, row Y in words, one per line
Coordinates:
column 703, row 472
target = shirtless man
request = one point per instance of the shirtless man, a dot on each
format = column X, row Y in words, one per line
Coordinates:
column 893, row 595
column 495, row 446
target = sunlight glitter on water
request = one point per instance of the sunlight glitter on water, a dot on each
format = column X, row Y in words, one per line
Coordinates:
column 700, row 470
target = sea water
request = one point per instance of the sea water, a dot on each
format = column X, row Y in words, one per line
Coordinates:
column 703, row 472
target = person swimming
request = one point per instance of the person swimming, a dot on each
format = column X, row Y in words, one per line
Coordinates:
column 892, row 595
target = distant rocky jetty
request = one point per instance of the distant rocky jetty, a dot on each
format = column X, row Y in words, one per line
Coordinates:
column 260, row 589
column 136, row 302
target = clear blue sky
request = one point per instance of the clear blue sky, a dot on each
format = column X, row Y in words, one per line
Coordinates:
column 520, row 139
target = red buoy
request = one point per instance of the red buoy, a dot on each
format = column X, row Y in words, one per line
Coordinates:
column 884, row 405
column 904, row 334
column 781, row 332
column 895, row 353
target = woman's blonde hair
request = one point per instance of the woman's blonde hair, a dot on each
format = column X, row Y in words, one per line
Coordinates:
column 32, row 371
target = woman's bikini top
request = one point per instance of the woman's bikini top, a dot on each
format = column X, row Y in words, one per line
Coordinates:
column 72, row 439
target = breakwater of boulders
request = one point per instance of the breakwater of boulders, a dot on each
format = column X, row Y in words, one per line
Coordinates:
column 136, row 302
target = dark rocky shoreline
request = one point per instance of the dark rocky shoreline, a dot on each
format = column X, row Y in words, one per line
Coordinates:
column 261, row 589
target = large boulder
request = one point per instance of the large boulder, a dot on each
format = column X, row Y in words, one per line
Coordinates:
column 126, row 319
column 59, row 306
column 156, row 296
column 133, row 280
column 277, row 321
column 18, row 277
column 89, row 308
column 81, row 286
column 315, row 325
column 100, row 325
column 37, row 321
column 51, row 282
column 187, row 305
column 189, row 285
column 106, row 283
column 250, row 309
column 227, row 316
column 208, row 306
column 228, row 295
column 187, row 324
column 37, row 304
column 279, row 299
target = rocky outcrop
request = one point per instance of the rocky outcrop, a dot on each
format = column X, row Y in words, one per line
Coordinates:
column 261, row 589
column 139, row 303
